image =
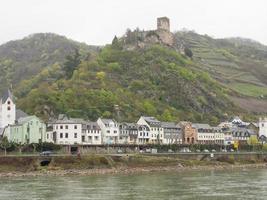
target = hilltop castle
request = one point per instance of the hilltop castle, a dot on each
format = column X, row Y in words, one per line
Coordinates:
column 161, row 35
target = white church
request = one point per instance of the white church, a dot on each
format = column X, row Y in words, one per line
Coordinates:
column 263, row 127
column 7, row 110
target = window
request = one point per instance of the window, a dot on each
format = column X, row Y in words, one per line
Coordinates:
column 61, row 126
column 8, row 108
column 115, row 131
column 89, row 137
column 56, row 126
column 75, row 135
column 262, row 125
column 61, row 135
column 108, row 131
column 83, row 138
column 96, row 137
column 75, row 126
column 66, row 135
column 8, row 103
column 47, row 136
column 66, row 127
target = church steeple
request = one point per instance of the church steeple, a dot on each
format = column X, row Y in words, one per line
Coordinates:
column 7, row 94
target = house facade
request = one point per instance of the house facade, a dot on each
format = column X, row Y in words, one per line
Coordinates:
column 172, row 133
column 128, row 133
column 27, row 130
column 209, row 135
column 189, row 133
column 143, row 136
column 67, row 131
column 110, row 131
column 154, row 125
column 91, row 134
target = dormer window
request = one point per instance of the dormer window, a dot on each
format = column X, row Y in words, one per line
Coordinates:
column 8, row 102
column 8, row 108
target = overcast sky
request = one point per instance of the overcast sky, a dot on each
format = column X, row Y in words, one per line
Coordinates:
column 97, row 21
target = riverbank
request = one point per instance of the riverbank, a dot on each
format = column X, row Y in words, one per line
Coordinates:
column 129, row 164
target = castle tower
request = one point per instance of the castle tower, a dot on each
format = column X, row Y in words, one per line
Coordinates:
column 163, row 23
column 263, row 127
column 7, row 109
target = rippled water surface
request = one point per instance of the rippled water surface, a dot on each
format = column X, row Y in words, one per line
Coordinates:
column 251, row 184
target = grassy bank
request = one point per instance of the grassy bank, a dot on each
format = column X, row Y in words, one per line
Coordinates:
column 108, row 164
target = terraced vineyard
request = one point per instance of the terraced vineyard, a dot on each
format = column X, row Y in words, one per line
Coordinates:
column 238, row 64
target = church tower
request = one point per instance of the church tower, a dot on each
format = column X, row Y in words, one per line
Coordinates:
column 7, row 109
column 263, row 127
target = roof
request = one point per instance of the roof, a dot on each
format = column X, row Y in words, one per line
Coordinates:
column 169, row 125
column 91, row 124
column 201, row 126
column 152, row 121
column 129, row 125
column 107, row 121
column 24, row 120
column 20, row 114
column 69, row 121
column 7, row 94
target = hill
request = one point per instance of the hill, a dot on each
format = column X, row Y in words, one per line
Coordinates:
column 138, row 74
column 238, row 64
column 22, row 59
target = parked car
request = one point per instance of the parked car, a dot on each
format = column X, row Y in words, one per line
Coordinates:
column 213, row 150
column 119, row 151
column 198, row 151
column 46, row 153
column 224, row 150
column 170, row 151
column 185, row 150
column 205, row 151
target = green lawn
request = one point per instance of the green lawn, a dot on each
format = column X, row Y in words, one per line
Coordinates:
column 248, row 89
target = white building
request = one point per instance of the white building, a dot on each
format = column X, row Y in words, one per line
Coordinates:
column 263, row 127
column 67, row 131
column 91, row 134
column 143, row 136
column 209, row 135
column 156, row 131
column 7, row 110
column 109, row 130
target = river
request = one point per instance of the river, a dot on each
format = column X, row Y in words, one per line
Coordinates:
column 248, row 184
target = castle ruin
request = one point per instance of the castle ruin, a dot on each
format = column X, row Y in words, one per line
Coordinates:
column 163, row 23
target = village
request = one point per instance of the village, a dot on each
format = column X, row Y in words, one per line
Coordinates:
column 18, row 127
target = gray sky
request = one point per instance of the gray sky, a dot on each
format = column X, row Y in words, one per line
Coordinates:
column 97, row 21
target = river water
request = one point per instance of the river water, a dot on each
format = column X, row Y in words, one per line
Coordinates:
column 248, row 184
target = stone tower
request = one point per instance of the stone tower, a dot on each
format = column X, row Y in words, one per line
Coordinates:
column 163, row 23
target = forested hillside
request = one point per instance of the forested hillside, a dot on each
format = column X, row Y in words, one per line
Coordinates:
column 22, row 59
column 53, row 75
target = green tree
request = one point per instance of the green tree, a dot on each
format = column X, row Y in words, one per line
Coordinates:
column 72, row 62
column 5, row 144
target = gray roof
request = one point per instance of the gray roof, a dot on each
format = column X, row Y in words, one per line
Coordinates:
column 201, row 126
column 169, row 125
column 107, row 121
column 92, row 125
column 152, row 121
column 129, row 125
column 20, row 114
column 69, row 121
column 242, row 130
column 7, row 94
